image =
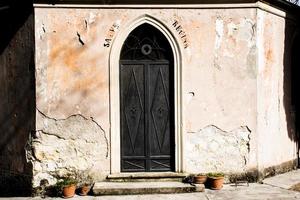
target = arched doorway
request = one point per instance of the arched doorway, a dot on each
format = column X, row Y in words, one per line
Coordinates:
column 147, row 102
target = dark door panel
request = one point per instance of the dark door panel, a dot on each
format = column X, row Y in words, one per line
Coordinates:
column 132, row 111
column 146, row 100
column 159, row 122
column 147, row 136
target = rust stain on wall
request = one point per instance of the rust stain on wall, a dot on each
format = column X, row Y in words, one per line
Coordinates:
column 269, row 55
column 75, row 65
column 268, row 45
column 75, row 73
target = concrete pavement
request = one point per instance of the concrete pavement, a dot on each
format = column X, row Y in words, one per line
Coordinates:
column 275, row 188
column 285, row 181
column 254, row 191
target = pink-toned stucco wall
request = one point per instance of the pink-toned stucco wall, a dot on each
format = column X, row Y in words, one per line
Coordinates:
column 276, row 129
column 232, row 110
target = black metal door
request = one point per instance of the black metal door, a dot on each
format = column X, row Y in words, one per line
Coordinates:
column 146, row 100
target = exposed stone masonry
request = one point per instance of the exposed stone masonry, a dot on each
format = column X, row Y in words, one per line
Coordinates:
column 212, row 149
column 64, row 146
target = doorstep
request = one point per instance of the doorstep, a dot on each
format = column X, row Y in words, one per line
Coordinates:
column 126, row 188
column 147, row 176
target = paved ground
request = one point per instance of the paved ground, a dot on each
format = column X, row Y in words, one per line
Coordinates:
column 275, row 188
column 285, row 181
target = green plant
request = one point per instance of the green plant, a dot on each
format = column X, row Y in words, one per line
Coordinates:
column 63, row 182
column 215, row 174
column 66, row 181
column 201, row 174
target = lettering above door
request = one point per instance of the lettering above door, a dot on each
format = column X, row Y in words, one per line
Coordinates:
column 110, row 35
column 181, row 33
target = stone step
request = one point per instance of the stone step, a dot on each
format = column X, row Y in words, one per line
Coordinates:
column 126, row 188
column 147, row 177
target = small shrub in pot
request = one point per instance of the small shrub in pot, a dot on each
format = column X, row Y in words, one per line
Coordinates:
column 215, row 180
column 200, row 178
column 67, row 186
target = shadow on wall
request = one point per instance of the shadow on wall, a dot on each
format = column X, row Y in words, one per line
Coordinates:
column 17, row 96
column 295, row 87
column 292, row 79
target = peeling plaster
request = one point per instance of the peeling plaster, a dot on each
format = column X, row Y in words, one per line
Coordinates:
column 85, row 118
column 213, row 149
column 59, row 146
column 65, row 87
column 219, row 33
column 92, row 18
column 79, row 39
column 251, row 62
column 85, row 24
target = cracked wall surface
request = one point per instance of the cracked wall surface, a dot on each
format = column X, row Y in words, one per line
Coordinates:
column 218, row 67
column 74, row 144
column 220, row 83
column 212, row 149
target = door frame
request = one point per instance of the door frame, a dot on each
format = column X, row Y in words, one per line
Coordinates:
column 114, row 89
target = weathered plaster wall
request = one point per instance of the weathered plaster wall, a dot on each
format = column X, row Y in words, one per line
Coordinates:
column 224, row 151
column 72, row 96
column 218, row 85
column 222, row 75
column 276, row 140
column 74, row 145
column 17, row 97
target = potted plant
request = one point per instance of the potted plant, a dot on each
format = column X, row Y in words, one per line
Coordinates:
column 68, row 186
column 216, row 180
column 200, row 178
column 85, row 185
column 84, row 189
column 86, row 182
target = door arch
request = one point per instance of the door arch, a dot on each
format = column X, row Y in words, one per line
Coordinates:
column 147, row 102
column 114, row 58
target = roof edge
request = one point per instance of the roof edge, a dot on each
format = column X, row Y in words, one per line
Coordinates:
column 280, row 4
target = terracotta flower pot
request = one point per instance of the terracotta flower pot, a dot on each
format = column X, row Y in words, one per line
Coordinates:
column 84, row 190
column 216, row 183
column 69, row 191
column 200, row 179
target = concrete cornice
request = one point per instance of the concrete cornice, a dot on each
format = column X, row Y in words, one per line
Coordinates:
column 154, row 6
column 142, row 2
column 284, row 3
column 277, row 7
column 257, row 5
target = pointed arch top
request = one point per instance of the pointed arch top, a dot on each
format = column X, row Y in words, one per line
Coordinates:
column 146, row 43
column 126, row 29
